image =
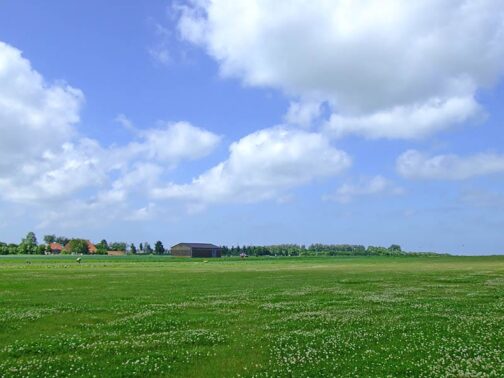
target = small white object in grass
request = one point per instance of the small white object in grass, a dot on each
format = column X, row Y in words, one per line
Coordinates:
column 78, row 260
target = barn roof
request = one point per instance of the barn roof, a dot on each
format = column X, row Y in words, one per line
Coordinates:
column 197, row 245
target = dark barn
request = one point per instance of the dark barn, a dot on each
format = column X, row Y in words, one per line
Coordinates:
column 196, row 250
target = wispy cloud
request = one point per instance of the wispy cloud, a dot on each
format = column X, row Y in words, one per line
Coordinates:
column 159, row 50
column 364, row 187
column 416, row 165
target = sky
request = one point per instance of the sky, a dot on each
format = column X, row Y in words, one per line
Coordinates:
column 254, row 122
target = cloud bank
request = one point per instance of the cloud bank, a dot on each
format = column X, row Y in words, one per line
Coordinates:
column 393, row 68
column 44, row 159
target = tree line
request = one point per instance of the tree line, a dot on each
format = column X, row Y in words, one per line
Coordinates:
column 29, row 246
column 317, row 250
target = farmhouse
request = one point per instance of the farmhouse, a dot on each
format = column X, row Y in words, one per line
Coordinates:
column 196, row 250
column 91, row 247
column 55, row 248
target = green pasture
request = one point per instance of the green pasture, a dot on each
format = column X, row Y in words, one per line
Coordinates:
column 273, row 317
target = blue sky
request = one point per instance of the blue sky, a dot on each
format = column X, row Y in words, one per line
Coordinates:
column 252, row 122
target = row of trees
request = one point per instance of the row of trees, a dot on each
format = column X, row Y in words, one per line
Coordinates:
column 320, row 250
column 80, row 246
column 313, row 250
column 145, row 248
column 30, row 246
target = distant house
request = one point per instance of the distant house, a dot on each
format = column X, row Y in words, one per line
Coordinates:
column 116, row 253
column 196, row 250
column 91, row 247
column 55, row 248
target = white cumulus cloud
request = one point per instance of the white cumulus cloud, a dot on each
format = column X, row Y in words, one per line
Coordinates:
column 379, row 63
column 262, row 166
column 406, row 122
column 35, row 116
column 171, row 142
column 56, row 175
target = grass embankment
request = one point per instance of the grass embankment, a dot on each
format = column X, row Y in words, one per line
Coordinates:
column 160, row 316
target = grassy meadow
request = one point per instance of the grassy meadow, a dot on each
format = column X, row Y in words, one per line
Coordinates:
column 270, row 317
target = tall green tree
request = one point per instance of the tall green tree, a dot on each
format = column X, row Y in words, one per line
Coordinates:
column 103, row 243
column 102, row 247
column 30, row 238
column 118, row 246
column 49, row 239
column 133, row 249
column 147, row 248
column 78, row 246
column 395, row 247
column 62, row 240
column 159, row 248
column 28, row 245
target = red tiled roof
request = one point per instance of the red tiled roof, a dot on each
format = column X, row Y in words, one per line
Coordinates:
column 91, row 247
column 56, row 246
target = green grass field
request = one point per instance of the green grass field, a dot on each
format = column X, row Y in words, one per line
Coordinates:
column 276, row 317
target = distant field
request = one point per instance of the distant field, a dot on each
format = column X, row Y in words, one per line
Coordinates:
column 271, row 317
